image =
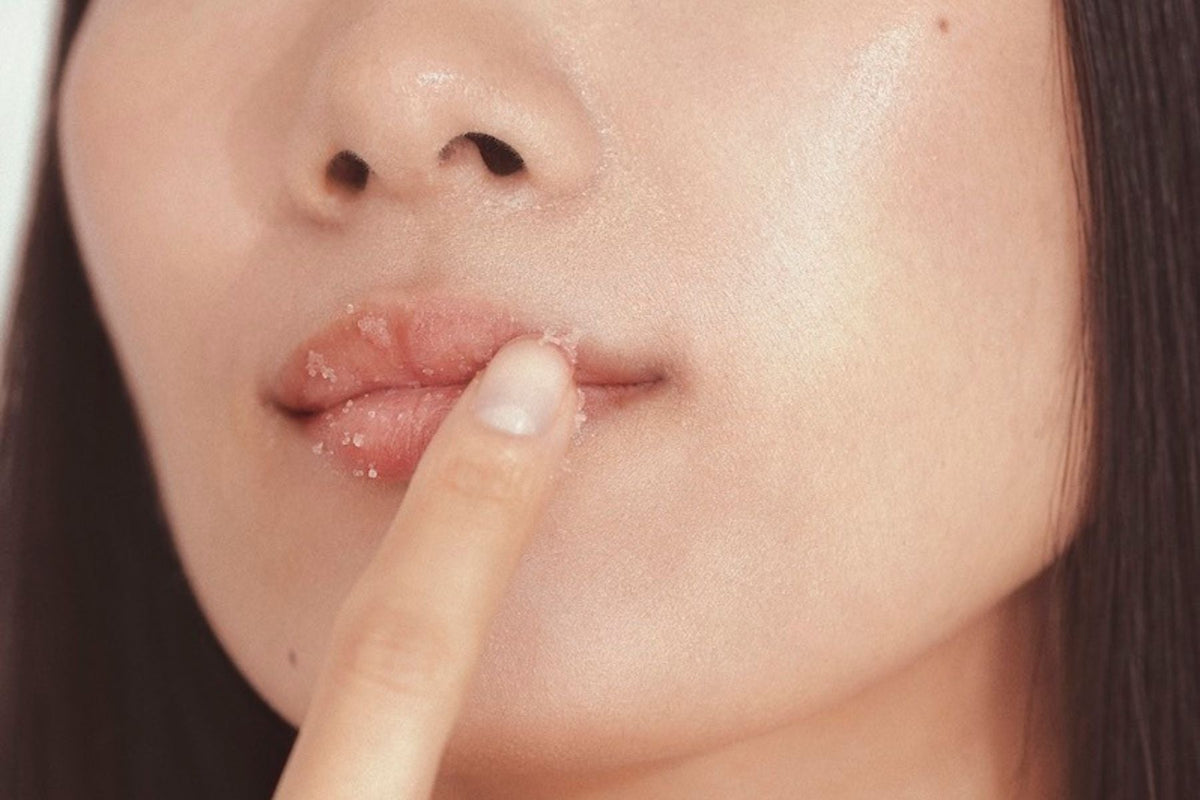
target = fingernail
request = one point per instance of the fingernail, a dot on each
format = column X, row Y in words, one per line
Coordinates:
column 522, row 387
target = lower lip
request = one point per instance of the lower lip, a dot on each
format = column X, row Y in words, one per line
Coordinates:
column 381, row 435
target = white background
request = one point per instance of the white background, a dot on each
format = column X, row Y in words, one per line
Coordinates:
column 25, row 32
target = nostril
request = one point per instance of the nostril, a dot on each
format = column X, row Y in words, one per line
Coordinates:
column 349, row 170
column 497, row 156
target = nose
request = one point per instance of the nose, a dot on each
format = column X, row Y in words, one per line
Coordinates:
column 423, row 101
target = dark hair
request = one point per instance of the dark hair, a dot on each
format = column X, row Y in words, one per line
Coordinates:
column 1130, row 584
column 112, row 684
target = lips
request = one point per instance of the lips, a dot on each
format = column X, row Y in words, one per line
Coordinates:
column 370, row 389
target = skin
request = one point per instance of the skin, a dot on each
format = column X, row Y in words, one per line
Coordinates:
column 816, row 565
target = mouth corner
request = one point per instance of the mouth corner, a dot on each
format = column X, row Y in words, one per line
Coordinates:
column 288, row 412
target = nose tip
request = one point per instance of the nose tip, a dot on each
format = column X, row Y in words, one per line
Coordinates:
column 421, row 104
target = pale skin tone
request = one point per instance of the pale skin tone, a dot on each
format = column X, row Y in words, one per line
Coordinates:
column 814, row 567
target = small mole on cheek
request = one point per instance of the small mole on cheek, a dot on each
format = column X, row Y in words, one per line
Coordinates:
column 292, row 657
column 943, row 24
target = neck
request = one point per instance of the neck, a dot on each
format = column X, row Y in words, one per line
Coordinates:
column 971, row 717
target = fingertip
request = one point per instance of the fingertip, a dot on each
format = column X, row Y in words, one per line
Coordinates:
column 522, row 388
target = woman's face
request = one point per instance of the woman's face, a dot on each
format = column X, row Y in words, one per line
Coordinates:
column 843, row 234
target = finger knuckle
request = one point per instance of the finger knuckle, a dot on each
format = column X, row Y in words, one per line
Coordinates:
column 496, row 476
column 396, row 653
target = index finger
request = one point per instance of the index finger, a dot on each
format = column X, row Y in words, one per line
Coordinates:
column 408, row 637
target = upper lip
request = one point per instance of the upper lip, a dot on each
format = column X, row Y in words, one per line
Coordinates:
column 429, row 342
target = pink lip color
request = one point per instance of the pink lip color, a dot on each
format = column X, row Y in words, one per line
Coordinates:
column 370, row 390
column 382, row 434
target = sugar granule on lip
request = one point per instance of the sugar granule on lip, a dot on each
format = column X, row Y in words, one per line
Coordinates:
column 569, row 341
column 316, row 364
column 375, row 330
column 580, row 416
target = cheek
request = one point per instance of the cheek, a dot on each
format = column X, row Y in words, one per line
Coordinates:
column 973, row 313
column 165, row 232
column 142, row 134
column 914, row 326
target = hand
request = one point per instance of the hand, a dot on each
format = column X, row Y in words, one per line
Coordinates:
column 407, row 640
